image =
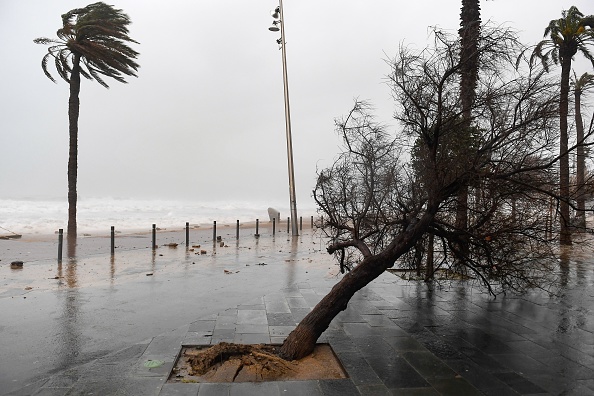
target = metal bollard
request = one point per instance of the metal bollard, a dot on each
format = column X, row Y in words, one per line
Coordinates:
column 214, row 231
column 273, row 226
column 257, row 227
column 154, row 236
column 237, row 230
column 60, row 244
column 112, row 240
column 312, row 222
column 300, row 223
column 288, row 224
column 187, row 234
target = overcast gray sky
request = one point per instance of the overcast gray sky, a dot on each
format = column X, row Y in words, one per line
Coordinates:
column 204, row 120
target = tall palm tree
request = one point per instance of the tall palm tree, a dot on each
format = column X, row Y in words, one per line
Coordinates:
column 470, row 28
column 580, row 85
column 93, row 43
column 566, row 36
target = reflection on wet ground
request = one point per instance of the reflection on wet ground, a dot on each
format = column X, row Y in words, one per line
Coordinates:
column 90, row 305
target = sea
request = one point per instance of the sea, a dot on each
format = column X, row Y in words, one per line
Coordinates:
column 97, row 215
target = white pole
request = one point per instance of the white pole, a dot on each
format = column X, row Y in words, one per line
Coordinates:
column 293, row 199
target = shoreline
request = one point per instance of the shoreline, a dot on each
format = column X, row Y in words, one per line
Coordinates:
column 263, row 225
column 40, row 247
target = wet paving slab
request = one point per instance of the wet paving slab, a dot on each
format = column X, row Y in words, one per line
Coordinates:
column 395, row 338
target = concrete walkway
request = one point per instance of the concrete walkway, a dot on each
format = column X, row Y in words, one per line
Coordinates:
column 395, row 338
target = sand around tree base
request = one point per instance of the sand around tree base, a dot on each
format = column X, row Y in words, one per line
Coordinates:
column 227, row 362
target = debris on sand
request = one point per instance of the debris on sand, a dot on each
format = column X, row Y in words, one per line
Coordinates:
column 16, row 265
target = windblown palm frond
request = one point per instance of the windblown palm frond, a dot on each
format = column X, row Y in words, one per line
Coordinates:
column 97, row 35
column 583, row 83
column 566, row 36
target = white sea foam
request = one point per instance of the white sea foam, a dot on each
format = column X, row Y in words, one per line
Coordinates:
column 43, row 216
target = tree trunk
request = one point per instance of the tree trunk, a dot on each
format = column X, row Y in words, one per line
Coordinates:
column 302, row 340
column 581, row 162
column 565, row 236
column 73, row 112
column 470, row 21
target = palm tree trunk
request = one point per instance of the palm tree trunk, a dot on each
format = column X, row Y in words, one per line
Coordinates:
column 73, row 112
column 581, row 161
column 565, row 236
column 470, row 22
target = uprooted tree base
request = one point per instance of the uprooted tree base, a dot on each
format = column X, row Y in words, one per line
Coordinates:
column 227, row 362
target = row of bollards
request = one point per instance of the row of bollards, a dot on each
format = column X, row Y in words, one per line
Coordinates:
column 214, row 234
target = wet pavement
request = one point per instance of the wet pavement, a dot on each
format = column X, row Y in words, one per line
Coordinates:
column 395, row 338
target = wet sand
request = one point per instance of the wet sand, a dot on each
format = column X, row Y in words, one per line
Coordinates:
column 59, row 316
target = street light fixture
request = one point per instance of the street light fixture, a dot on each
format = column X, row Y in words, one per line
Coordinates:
column 278, row 17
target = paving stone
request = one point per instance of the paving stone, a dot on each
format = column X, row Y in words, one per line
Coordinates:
column 251, row 328
column 374, row 390
column 360, row 330
column 254, row 389
column 518, row 383
column 358, row 369
column 280, row 331
column 299, row 388
column 350, row 316
column 404, row 343
column 197, row 338
column 164, row 346
column 378, row 320
column 280, row 319
column 202, row 326
column 180, row 390
column 414, row 392
column 312, row 299
column 454, row 386
column 428, row 365
column 277, row 340
column 252, row 338
column 277, row 306
column 439, row 346
column 155, row 372
column 251, row 307
column 372, row 346
column 476, row 375
column 252, row 317
column 226, row 322
column 396, row 372
column 297, row 302
column 338, row 387
column 214, row 390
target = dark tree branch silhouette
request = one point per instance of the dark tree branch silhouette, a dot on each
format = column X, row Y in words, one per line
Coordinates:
column 388, row 193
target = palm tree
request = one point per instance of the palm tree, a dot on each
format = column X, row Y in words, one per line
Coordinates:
column 567, row 35
column 470, row 27
column 585, row 82
column 93, row 43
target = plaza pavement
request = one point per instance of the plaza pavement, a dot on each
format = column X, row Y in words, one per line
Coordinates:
column 395, row 338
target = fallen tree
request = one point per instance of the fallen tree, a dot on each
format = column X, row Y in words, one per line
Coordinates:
column 388, row 194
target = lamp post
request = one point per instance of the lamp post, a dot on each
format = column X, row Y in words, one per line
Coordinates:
column 278, row 17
